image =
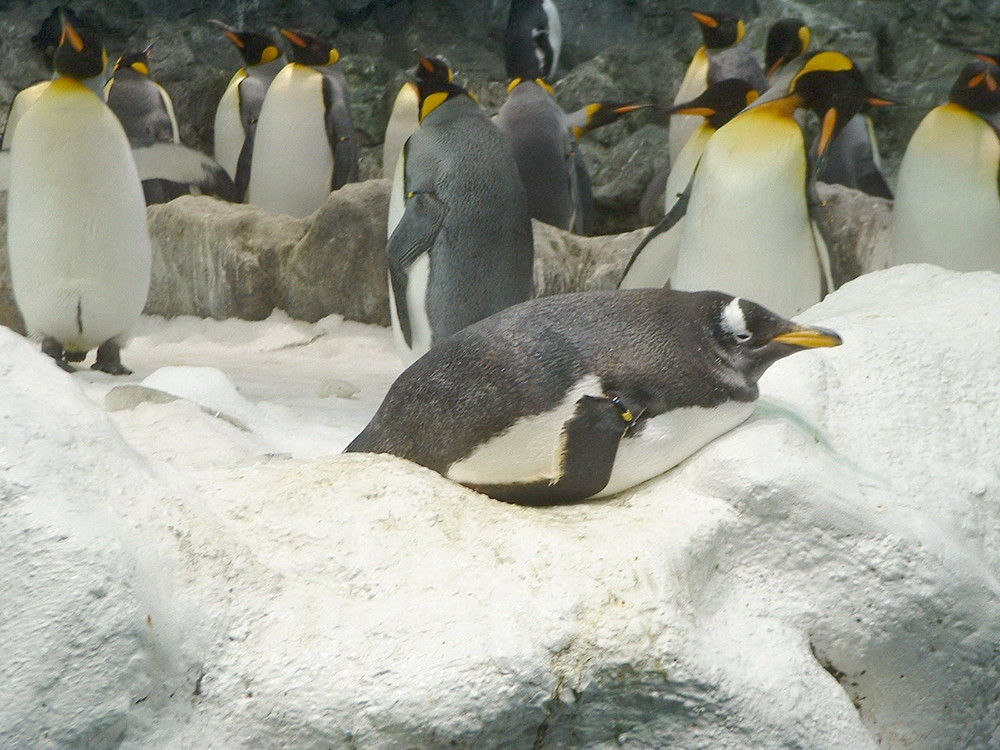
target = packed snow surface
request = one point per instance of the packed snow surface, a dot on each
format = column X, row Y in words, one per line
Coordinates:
column 188, row 561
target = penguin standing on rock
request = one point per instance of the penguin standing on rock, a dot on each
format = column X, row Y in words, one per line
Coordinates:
column 747, row 224
column 724, row 55
column 239, row 108
column 583, row 395
column 305, row 145
column 462, row 248
column 947, row 208
column 80, row 253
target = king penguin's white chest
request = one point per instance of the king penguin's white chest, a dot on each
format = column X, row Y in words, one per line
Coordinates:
column 79, row 246
column 747, row 229
column 947, row 208
column 228, row 131
column 292, row 168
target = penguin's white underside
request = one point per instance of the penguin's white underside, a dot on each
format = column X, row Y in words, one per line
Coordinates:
column 228, row 131
column 947, row 207
column 531, row 449
column 292, row 167
column 765, row 249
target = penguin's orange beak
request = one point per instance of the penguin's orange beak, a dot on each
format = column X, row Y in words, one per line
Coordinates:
column 827, row 129
column 809, row 338
column 71, row 34
column 704, row 19
column 294, row 38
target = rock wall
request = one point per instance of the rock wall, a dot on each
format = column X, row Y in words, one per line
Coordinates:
column 621, row 49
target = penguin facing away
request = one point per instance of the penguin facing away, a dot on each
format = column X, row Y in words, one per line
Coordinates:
column 947, row 208
column 462, row 249
column 747, row 224
column 305, row 145
column 532, row 39
column 80, row 253
column 583, row 395
column 545, row 151
column 239, row 108
column 723, row 55
column 656, row 258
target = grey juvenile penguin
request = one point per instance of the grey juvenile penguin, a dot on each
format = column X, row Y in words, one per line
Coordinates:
column 583, row 395
column 460, row 245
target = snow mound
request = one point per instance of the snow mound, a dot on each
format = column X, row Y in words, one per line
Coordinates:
column 824, row 576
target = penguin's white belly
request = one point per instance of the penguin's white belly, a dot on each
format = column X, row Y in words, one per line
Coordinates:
column 292, row 167
column 23, row 101
column 403, row 122
column 530, row 450
column 947, row 208
column 418, row 276
column 687, row 160
column 668, row 439
column 695, row 82
column 747, row 229
column 229, row 126
column 80, row 253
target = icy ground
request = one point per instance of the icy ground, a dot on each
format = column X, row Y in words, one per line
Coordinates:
column 278, row 388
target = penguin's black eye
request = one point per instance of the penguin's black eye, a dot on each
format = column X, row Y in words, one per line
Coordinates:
column 743, row 336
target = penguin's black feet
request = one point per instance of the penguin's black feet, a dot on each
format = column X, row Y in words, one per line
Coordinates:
column 109, row 359
column 75, row 356
column 55, row 350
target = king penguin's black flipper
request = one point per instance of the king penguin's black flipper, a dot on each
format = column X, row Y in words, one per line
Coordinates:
column 340, row 131
column 666, row 224
column 413, row 236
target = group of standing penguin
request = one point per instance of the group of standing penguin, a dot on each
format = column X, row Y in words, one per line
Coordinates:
column 532, row 401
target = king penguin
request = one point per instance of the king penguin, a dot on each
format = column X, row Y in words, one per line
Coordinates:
column 655, row 260
column 787, row 39
column 80, row 253
column 146, row 111
column 723, row 55
column 533, row 31
column 747, row 226
column 239, row 108
column 545, row 151
column 947, row 208
column 585, row 394
column 305, row 145
column 404, row 119
column 462, row 249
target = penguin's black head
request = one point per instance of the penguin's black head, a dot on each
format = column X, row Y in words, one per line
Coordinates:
column 751, row 338
column 978, row 88
column 49, row 33
column 718, row 30
column 254, row 48
column 831, row 85
column 435, row 84
column 137, row 61
column 528, row 51
column 309, row 49
column 720, row 102
column 80, row 53
column 786, row 40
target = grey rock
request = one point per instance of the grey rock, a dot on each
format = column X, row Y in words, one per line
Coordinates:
column 566, row 262
column 856, row 227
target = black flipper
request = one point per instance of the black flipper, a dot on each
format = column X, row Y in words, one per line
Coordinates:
column 414, row 235
column 340, row 131
column 584, row 221
column 242, row 179
column 591, row 444
column 667, row 223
